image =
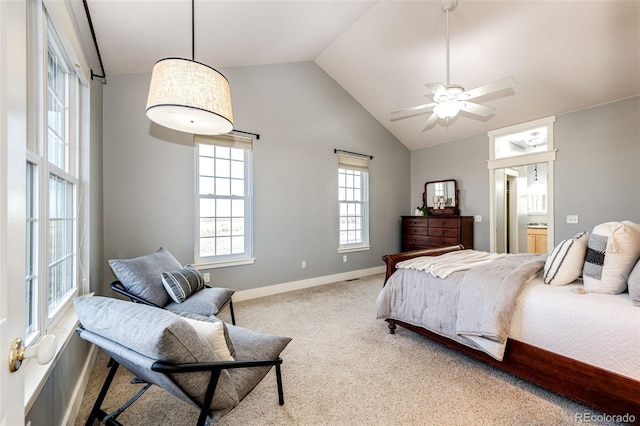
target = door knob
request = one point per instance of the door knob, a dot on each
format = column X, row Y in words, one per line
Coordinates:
column 43, row 352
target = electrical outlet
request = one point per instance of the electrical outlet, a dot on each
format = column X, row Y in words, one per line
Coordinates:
column 477, row 218
column 344, row 258
column 304, row 264
column 207, row 277
column 572, row 218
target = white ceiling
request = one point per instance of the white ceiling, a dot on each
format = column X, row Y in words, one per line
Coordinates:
column 564, row 55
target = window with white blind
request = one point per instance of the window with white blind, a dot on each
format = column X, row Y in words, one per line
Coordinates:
column 353, row 199
column 52, row 182
column 224, row 206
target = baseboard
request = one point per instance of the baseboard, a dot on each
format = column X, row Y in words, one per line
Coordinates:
column 254, row 293
column 76, row 400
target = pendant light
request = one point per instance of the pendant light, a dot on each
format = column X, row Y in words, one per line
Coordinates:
column 188, row 96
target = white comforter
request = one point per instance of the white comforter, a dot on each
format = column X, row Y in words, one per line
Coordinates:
column 598, row 329
column 444, row 265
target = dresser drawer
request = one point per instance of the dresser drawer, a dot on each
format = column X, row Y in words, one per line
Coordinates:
column 410, row 222
column 441, row 241
column 443, row 222
column 444, row 232
column 415, row 230
column 415, row 240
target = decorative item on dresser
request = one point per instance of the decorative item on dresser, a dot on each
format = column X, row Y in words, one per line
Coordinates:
column 420, row 232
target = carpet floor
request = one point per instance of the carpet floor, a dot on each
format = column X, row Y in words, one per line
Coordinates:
column 344, row 368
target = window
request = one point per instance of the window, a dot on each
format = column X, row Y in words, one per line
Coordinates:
column 353, row 198
column 32, row 249
column 52, row 184
column 224, row 200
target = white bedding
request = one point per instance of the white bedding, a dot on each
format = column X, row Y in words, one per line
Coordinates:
column 444, row 265
column 598, row 329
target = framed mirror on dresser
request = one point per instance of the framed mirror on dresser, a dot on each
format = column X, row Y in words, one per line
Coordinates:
column 442, row 226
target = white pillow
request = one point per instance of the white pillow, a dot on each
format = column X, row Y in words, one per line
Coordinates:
column 613, row 250
column 564, row 264
column 213, row 333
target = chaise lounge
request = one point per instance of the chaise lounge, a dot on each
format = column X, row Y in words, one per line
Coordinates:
column 159, row 280
column 202, row 361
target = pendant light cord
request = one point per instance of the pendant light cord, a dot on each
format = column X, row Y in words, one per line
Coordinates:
column 193, row 31
column 447, row 42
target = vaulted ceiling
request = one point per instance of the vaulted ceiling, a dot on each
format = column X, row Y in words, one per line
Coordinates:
column 564, row 55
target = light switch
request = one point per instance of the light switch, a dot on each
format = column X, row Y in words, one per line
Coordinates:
column 572, row 218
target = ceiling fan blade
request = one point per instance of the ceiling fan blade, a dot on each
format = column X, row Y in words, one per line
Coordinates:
column 437, row 89
column 414, row 108
column 477, row 109
column 431, row 121
column 496, row 86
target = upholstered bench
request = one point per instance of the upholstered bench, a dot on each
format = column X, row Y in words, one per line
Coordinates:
column 158, row 279
column 200, row 360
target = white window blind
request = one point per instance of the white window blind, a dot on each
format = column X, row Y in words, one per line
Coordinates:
column 228, row 140
column 353, row 162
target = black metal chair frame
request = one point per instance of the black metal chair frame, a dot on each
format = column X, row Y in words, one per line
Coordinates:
column 118, row 287
column 163, row 367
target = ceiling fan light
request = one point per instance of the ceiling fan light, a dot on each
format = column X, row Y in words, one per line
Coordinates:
column 190, row 97
column 447, row 110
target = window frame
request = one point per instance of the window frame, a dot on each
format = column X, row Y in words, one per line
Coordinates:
column 355, row 165
column 47, row 318
column 233, row 142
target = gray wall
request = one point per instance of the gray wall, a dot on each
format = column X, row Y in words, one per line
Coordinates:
column 302, row 115
column 596, row 174
column 464, row 160
column 597, row 171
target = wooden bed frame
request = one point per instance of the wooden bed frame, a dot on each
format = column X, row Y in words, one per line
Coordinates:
column 601, row 389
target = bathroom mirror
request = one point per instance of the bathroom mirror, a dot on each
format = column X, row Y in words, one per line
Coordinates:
column 441, row 197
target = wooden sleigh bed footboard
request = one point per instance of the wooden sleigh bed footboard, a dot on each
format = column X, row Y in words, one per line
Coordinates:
column 600, row 389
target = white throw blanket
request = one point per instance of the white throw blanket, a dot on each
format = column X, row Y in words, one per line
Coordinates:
column 444, row 265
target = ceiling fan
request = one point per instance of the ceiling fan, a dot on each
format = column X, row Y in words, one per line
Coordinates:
column 449, row 99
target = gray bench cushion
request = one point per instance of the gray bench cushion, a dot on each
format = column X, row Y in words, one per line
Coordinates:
column 204, row 302
column 253, row 345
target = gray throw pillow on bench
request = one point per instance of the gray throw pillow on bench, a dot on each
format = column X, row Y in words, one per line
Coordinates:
column 142, row 275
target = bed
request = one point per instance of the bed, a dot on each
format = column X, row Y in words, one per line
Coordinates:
column 542, row 347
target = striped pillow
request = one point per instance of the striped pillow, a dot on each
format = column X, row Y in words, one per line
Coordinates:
column 183, row 283
column 564, row 263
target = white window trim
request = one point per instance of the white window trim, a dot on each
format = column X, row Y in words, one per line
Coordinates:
column 64, row 321
column 232, row 141
column 358, row 163
column 364, row 247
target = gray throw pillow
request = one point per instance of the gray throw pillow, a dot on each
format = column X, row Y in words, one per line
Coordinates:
column 183, row 283
column 160, row 335
column 142, row 276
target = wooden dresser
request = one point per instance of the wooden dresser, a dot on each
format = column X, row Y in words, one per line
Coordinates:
column 419, row 232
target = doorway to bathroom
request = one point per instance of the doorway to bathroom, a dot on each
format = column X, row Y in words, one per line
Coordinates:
column 521, row 187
